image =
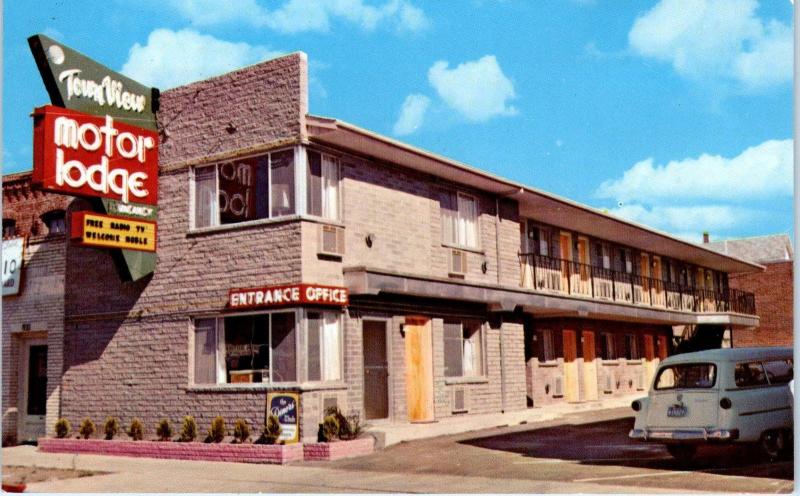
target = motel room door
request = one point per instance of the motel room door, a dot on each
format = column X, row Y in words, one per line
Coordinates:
column 33, row 390
column 419, row 369
column 650, row 360
column 565, row 252
column 570, row 366
column 589, row 366
column 376, row 370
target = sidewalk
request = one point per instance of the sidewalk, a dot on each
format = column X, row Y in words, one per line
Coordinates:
column 389, row 434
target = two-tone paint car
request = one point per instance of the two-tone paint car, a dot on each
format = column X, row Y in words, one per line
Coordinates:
column 728, row 395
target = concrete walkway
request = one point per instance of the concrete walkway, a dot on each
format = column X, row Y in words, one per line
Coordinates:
column 389, row 434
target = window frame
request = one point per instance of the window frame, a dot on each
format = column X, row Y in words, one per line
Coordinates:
column 455, row 195
column 480, row 328
column 685, row 365
column 609, row 338
column 57, row 214
column 546, row 336
column 339, row 182
column 305, row 325
column 632, row 351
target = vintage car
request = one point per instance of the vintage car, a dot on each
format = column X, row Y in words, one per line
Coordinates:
column 729, row 395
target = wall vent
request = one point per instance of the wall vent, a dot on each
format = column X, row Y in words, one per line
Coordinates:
column 558, row 390
column 608, row 386
column 459, row 400
column 331, row 240
column 458, row 262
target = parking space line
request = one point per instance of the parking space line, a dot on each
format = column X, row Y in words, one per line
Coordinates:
column 631, row 476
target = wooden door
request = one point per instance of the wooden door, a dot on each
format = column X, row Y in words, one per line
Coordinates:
column 565, row 247
column 658, row 293
column 570, row 366
column 650, row 359
column 376, row 370
column 419, row 369
column 33, row 391
column 663, row 349
column 589, row 366
column 645, row 280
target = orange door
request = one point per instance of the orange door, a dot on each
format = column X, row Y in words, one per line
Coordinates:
column 662, row 347
column 570, row 366
column 649, row 356
column 589, row 366
column 419, row 369
column 583, row 257
column 645, row 273
column 656, row 275
column 565, row 244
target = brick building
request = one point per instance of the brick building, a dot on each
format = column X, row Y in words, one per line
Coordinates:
column 468, row 293
column 773, row 288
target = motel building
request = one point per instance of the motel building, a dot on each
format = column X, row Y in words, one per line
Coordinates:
column 300, row 253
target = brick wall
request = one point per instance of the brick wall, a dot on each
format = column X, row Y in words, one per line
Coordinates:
column 774, row 293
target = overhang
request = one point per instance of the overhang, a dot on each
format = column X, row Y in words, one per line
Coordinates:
column 540, row 205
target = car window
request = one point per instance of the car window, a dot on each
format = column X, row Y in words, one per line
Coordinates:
column 778, row 371
column 749, row 374
column 687, row 376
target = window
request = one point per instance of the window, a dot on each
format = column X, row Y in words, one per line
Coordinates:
column 607, row 349
column 631, row 347
column 778, row 371
column 463, row 349
column 324, row 346
column 55, row 220
column 246, row 349
column 539, row 237
column 9, row 228
column 749, row 374
column 323, row 186
column 460, row 219
column 687, row 376
column 244, row 189
column 547, row 349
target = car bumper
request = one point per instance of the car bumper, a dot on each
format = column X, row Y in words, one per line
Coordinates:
column 684, row 435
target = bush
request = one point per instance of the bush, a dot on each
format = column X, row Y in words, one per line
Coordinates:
column 87, row 428
column 62, row 428
column 271, row 432
column 354, row 426
column 241, row 430
column 136, row 430
column 188, row 430
column 330, row 427
column 350, row 427
column 217, row 431
column 164, row 430
column 111, row 427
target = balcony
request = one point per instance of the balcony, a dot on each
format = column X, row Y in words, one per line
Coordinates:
column 565, row 277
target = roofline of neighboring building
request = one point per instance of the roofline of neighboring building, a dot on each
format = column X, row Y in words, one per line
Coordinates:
column 336, row 123
column 17, row 176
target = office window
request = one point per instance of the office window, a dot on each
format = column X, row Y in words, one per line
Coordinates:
column 244, row 189
column 247, row 349
column 463, row 349
column 323, row 186
column 547, row 349
column 460, row 219
column 608, row 350
column 324, row 346
column 632, row 347
column 55, row 220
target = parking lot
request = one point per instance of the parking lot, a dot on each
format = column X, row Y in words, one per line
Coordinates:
column 587, row 447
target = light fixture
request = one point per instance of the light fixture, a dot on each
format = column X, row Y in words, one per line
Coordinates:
column 370, row 239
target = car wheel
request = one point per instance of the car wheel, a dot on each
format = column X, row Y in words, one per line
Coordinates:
column 682, row 452
column 772, row 444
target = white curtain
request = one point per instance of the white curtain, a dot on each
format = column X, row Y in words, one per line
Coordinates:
column 330, row 188
column 205, row 197
column 332, row 361
column 467, row 222
column 469, row 358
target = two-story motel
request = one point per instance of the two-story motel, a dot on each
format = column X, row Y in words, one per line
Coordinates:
column 302, row 253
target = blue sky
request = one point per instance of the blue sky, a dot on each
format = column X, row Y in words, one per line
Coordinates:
column 674, row 113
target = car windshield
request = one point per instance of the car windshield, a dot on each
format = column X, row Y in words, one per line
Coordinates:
column 687, row 376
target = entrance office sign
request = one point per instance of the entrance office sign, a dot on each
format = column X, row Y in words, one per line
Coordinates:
column 126, row 130
column 292, row 294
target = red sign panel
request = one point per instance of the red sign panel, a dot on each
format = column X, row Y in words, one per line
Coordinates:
column 293, row 294
column 85, row 155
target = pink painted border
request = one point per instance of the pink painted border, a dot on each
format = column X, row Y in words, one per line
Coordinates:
column 338, row 449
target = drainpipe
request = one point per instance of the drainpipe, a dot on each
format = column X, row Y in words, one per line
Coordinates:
column 502, row 349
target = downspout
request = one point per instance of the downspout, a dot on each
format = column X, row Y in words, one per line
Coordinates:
column 502, row 349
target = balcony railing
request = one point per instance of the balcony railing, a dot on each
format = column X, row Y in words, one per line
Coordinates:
column 560, row 276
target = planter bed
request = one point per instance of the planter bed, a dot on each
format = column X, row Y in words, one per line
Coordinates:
column 224, row 452
column 338, row 449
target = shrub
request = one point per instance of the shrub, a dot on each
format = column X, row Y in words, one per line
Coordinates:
column 350, row 427
column 111, row 427
column 271, row 432
column 62, row 428
column 189, row 429
column 330, row 428
column 136, row 430
column 164, row 430
column 87, row 428
column 241, row 430
column 354, row 426
column 217, row 431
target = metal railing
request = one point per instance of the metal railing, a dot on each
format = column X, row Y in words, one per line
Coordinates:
column 561, row 276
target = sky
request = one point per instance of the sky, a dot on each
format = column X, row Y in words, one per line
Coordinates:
column 673, row 113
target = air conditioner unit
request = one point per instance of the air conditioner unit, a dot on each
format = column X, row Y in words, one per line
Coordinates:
column 558, row 390
column 459, row 400
column 331, row 240
column 608, row 387
column 640, row 381
column 458, row 262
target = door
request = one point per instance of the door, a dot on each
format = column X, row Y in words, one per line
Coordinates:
column 589, row 366
column 663, row 350
column 565, row 247
column 658, row 290
column 650, row 359
column 419, row 369
column 33, row 390
column 570, row 366
column 583, row 279
column 645, row 279
column 376, row 370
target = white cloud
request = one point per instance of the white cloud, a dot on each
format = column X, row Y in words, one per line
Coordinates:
column 758, row 172
column 412, row 114
column 716, row 39
column 685, row 219
column 171, row 58
column 296, row 16
column 478, row 90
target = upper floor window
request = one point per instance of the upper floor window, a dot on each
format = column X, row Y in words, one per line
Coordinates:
column 538, row 240
column 323, row 185
column 463, row 349
column 547, row 348
column 55, row 220
column 9, row 228
column 460, row 219
column 244, row 189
